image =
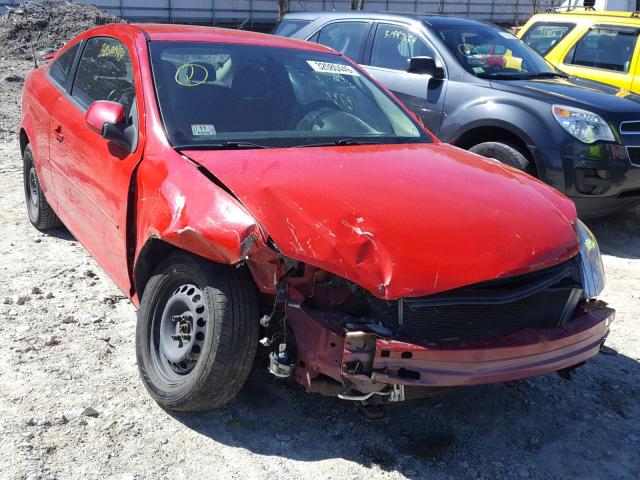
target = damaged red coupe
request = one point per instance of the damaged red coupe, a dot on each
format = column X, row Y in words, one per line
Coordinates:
column 249, row 191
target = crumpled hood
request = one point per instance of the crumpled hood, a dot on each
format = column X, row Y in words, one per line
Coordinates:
column 574, row 91
column 400, row 220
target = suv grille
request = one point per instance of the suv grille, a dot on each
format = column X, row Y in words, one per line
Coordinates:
column 634, row 154
column 543, row 299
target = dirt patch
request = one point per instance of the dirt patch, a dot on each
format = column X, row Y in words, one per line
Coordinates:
column 37, row 27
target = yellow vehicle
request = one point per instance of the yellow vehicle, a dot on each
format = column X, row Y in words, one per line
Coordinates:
column 600, row 46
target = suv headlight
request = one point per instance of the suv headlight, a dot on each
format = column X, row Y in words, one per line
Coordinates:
column 586, row 126
column 590, row 262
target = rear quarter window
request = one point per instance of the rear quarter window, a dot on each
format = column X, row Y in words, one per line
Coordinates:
column 61, row 66
column 286, row 28
column 542, row 37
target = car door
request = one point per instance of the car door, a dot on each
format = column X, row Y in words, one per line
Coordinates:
column 92, row 175
column 605, row 53
column 391, row 47
column 58, row 74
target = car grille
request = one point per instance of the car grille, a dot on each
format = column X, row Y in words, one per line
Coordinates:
column 545, row 299
column 634, row 154
column 630, row 127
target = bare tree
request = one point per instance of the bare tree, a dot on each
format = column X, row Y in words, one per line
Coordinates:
column 283, row 7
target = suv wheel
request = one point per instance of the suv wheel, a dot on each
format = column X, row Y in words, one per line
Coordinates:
column 197, row 333
column 505, row 153
column 40, row 213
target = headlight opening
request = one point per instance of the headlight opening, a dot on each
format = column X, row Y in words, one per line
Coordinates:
column 592, row 269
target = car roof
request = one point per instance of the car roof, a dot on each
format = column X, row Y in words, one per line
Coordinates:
column 585, row 17
column 429, row 19
column 194, row 33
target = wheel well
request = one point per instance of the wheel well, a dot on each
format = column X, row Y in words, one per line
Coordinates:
column 151, row 255
column 24, row 140
column 153, row 252
column 478, row 135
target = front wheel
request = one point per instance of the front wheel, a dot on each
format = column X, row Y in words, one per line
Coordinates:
column 197, row 333
column 505, row 153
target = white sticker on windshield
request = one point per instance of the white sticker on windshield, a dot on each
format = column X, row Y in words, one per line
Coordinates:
column 203, row 130
column 325, row 67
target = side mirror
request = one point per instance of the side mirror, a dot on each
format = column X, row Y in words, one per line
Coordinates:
column 107, row 119
column 425, row 66
column 49, row 55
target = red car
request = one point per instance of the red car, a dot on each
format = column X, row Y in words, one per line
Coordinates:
column 249, row 190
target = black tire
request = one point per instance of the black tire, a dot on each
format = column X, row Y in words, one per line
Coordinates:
column 40, row 213
column 505, row 153
column 226, row 341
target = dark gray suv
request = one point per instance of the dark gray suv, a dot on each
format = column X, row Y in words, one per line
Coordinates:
column 480, row 88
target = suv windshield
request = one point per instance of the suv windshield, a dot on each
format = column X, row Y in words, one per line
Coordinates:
column 489, row 52
column 214, row 95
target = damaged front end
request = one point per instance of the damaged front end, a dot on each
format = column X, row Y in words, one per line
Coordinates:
column 336, row 338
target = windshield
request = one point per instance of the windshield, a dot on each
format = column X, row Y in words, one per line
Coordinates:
column 223, row 95
column 489, row 52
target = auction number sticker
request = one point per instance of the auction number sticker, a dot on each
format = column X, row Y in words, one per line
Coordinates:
column 203, row 130
column 325, row 67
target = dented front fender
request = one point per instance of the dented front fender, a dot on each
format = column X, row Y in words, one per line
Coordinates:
column 178, row 204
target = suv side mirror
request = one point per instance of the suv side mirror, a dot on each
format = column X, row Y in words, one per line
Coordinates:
column 107, row 119
column 425, row 66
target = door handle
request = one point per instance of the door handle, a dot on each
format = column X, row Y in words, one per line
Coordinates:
column 57, row 132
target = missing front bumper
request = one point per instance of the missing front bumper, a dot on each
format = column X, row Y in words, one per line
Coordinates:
column 362, row 363
column 520, row 355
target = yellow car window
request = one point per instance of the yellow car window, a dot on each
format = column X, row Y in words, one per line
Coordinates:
column 608, row 48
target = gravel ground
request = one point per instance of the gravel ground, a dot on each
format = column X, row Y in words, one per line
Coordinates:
column 72, row 405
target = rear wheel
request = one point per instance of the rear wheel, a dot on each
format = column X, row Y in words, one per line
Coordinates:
column 40, row 213
column 505, row 153
column 197, row 333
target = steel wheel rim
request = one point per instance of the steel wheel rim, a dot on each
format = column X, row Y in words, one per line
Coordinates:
column 33, row 191
column 178, row 333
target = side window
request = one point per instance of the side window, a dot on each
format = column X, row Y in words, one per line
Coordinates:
column 606, row 48
column 59, row 69
column 542, row 37
column 345, row 37
column 104, row 73
column 394, row 45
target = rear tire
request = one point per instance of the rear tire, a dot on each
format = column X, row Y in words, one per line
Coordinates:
column 40, row 213
column 505, row 153
column 197, row 333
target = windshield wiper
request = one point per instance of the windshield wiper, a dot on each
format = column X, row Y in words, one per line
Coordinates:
column 341, row 142
column 220, row 146
column 521, row 76
column 547, row 75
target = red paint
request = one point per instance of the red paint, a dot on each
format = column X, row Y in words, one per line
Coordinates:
column 398, row 220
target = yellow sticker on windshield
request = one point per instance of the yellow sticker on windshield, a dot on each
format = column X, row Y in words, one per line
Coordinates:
column 191, row 75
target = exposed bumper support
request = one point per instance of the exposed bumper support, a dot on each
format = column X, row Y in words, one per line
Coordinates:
column 524, row 354
column 367, row 364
